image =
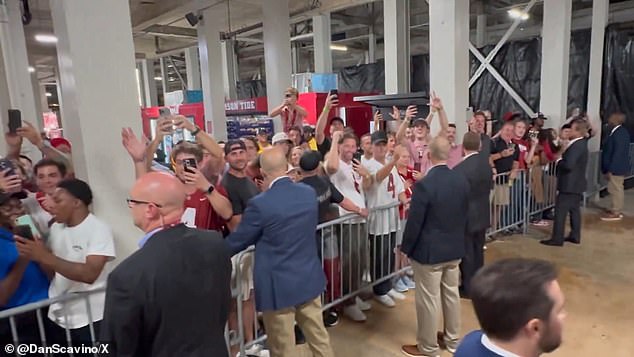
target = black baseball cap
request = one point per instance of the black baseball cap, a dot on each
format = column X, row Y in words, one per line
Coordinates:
column 310, row 161
column 379, row 136
column 232, row 145
column 420, row 121
column 337, row 119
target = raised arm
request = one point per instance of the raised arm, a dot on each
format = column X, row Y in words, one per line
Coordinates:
column 332, row 158
column 322, row 121
column 410, row 113
column 32, row 134
column 385, row 170
column 205, row 140
column 277, row 110
column 436, row 105
column 163, row 128
column 136, row 149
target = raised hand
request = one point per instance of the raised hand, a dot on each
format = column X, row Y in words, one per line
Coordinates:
column 164, row 127
column 11, row 183
column 135, row 147
column 182, row 123
column 435, row 102
column 332, row 100
column 396, row 113
column 411, row 112
column 30, row 132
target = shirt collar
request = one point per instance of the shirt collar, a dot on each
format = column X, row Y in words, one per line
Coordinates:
column 613, row 130
column 277, row 179
column 495, row 349
column 434, row 166
column 574, row 140
column 148, row 235
column 468, row 156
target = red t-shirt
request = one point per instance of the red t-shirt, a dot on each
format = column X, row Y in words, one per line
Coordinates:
column 199, row 213
column 523, row 146
column 409, row 181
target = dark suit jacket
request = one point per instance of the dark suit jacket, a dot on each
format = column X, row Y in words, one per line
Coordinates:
column 437, row 218
column 480, row 177
column 281, row 222
column 571, row 169
column 171, row 297
column 615, row 157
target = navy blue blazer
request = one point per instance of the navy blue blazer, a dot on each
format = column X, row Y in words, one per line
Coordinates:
column 281, row 222
column 437, row 220
column 615, row 157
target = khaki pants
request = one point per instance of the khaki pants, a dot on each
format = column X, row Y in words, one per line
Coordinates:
column 437, row 284
column 280, row 324
column 615, row 188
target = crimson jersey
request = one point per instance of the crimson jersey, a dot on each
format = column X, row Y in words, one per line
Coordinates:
column 199, row 213
column 408, row 182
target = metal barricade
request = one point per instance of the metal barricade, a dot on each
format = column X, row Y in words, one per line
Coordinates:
column 542, row 190
column 508, row 200
column 29, row 326
column 356, row 254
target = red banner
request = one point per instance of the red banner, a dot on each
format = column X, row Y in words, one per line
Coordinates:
column 246, row 106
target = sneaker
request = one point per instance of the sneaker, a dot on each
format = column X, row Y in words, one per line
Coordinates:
column 367, row 277
column 410, row 272
column 611, row 217
column 385, row 300
column 255, row 350
column 331, row 319
column 354, row 313
column 362, row 305
column 400, row 286
column 409, row 282
column 396, row 295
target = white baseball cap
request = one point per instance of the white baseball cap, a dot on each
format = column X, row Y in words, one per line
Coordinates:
column 280, row 137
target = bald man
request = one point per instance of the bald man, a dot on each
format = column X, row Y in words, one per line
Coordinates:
column 434, row 241
column 172, row 296
column 288, row 276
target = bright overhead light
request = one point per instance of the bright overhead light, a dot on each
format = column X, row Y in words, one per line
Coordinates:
column 172, row 79
column 338, row 48
column 518, row 14
column 44, row 38
column 49, row 94
column 158, row 78
column 31, row 69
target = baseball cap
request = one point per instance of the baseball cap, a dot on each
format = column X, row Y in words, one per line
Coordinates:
column 310, row 160
column 279, row 137
column 77, row 188
column 508, row 116
column 378, row 136
column 5, row 197
column 57, row 142
column 232, row 145
column 420, row 121
column 540, row 115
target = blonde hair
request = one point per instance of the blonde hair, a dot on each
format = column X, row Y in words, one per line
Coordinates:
column 292, row 91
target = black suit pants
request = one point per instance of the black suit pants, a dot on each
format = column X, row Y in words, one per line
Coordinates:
column 473, row 259
column 567, row 203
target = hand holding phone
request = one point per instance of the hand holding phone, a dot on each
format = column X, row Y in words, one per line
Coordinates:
column 188, row 164
column 15, row 120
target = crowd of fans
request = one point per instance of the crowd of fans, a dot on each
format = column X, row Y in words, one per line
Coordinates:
column 71, row 249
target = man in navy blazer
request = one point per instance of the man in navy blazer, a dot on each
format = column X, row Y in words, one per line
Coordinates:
column 615, row 164
column 288, row 275
column 434, row 240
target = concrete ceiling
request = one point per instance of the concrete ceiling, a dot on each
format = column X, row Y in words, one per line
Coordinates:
column 159, row 28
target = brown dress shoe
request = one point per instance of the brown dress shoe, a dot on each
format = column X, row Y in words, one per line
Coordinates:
column 412, row 351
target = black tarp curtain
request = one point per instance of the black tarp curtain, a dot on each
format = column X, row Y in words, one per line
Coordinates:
column 519, row 62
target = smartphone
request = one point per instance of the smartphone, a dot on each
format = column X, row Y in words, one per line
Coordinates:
column 164, row 112
column 357, row 156
column 334, row 92
column 7, row 164
column 533, row 134
column 26, row 220
column 189, row 163
column 15, row 120
column 512, row 146
column 24, row 232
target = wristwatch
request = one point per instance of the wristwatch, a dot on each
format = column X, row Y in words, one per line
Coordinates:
column 210, row 189
column 195, row 132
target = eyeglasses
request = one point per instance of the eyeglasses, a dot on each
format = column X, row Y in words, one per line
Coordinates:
column 131, row 202
column 288, row 95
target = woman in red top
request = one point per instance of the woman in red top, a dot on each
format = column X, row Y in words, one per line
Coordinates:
column 292, row 114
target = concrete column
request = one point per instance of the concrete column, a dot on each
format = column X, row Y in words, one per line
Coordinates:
column 5, row 104
column 229, row 69
column 148, row 83
column 98, row 103
column 481, row 31
column 371, row 46
column 295, row 58
column 16, row 65
column 211, row 71
column 192, row 66
column 321, row 41
column 555, row 60
column 396, row 46
column 277, row 52
column 600, row 11
column 449, row 59
column 164, row 79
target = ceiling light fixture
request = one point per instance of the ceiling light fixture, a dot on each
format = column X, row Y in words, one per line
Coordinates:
column 172, row 79
column 44, row 38
column 158, row 78
column 31, row 69
column 518, row 14
column 49, row 94
column 338, row 48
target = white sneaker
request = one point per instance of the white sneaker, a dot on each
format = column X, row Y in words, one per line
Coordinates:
column 408, row 282
column 385, row 300
column 354, row 313
column 367, row 277
column 396, row 295
column 400, row 286
column 362, row 305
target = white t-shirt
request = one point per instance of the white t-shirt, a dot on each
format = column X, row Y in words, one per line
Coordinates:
column 383, row 193
column 74, row 244
column 37, row 213
column 350, row 184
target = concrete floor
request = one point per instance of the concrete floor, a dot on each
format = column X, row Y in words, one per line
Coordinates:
column 597, row 278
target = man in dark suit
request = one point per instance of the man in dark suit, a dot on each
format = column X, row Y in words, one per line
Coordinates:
column 480, row 177
column 434, row 241
column 288, row 275
column 571, row 183
column 615, row 164
column 172, row 296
